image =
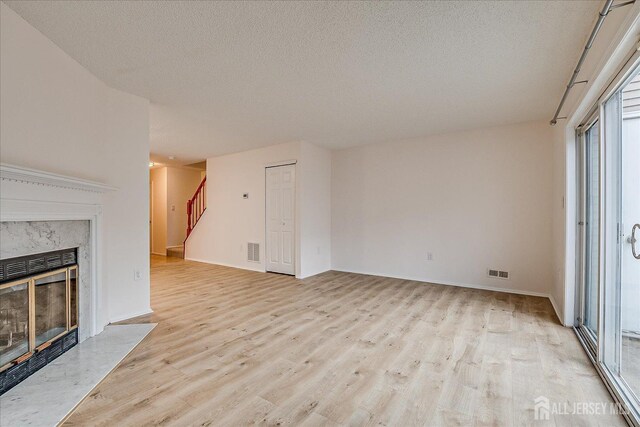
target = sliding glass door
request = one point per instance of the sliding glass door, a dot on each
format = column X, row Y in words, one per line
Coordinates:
column 629, row 256
column 608, row 319
column 590, row 223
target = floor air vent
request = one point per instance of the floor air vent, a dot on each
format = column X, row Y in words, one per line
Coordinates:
column 253, row 252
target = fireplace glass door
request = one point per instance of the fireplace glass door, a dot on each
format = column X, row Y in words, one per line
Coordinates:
column 35, row 312
column 73, row 297
column 14, row 321
column 50, row 306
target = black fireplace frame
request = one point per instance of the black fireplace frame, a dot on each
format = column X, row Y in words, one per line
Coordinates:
column 14, row 375
column 12, row 269
column 28, row 269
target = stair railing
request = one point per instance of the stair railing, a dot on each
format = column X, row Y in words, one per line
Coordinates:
column 196, row 206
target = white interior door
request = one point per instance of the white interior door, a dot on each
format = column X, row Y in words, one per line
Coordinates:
column 280, row 210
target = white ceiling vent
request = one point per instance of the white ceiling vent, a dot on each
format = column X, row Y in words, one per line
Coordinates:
column 253, row 252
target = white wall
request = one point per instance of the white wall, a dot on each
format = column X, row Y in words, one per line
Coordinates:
column 181, row 185
column 158, row 178
column 126, row 211
column 557, row 292
column 475, row 200
column 56, row 116
column 315, row 209
column 230, row 222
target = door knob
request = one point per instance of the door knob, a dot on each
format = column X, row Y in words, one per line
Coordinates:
column 633, row 241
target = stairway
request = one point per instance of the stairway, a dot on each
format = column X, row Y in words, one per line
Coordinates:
column 195, row 208
column 176, row 252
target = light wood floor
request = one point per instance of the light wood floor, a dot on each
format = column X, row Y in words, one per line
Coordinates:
column 234, row 347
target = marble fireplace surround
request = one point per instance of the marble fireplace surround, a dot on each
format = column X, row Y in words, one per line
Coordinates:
column 48, row 210
column 21, row 238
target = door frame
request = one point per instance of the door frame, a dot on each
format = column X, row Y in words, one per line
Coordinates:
column 151, row 223
column 592, row 342
column 296, row 245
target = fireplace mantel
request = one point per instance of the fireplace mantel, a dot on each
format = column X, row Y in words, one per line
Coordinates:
column 33, row 195
column 32, row 176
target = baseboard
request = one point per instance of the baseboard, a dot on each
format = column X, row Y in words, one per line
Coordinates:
column 130, row 316
column 173, row 247
column 555, row 308
column 458, row 284
column 158, row 253
column 241, row 267
column 312, row 274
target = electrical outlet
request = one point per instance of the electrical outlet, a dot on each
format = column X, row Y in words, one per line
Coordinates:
column 137, row 275
column 429, row 256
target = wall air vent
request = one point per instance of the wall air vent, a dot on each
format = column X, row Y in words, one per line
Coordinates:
column 498, row 274
column 253, row 252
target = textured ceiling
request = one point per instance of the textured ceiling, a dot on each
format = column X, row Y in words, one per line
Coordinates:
column 229, row 76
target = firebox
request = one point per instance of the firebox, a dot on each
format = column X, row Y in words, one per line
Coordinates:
column 38, row 312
